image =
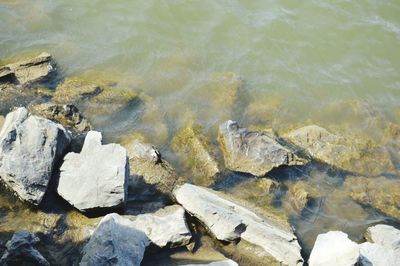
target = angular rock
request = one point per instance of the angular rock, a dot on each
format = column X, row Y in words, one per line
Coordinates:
column 29, row 71
column 380, row 193
column 298, row 196
column 165, row 228
column 378, row 255
column 228, row 221
column 349, row 155
column 334, row 248
column 95, row 179
column 21, row 251
column 253, row 152
column 216, row 263
column 115, row 242
column 384, row 235
column 147, row 165
column 30, row 147
column 67, row 115
column 195, row 152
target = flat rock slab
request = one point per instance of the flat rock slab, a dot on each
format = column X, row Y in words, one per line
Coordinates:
column 30, row 147
column 253, row 152
column 165, row 228
column 334, row 248
column 115, row 242
column 229, row 221
column 20, row 251
column 95, row 179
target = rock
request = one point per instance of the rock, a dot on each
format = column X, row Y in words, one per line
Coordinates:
column 298, row 196
column 377, row 255
column 95, row 179
column 147, row 165
column 253, row 152
column 21, row 251
column 216, row 263
column 349, row 155
column 384, row 235
column 27, row 138
column 334, row 248
column 228, row 221
column 380, row 193
column 67, row 115
column 115, row 242
column 165, row 228
column 1, row 121
column 28, row 71
column 195, row 152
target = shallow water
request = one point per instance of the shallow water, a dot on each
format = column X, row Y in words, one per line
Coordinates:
column 334, row 64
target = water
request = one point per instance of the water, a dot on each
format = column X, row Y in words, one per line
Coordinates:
column 334, row 64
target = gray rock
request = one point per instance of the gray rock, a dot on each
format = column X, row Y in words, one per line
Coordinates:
column 147, row 165
column 165, row 228
column 334, row 248
column 229, row 221
column 30, row 147
column 21, row 251
column 115, row 242
column 28, row 71
column 378, row 255
column 216, row 263
column 253, row 152
column 95, row 178
column 385, row 235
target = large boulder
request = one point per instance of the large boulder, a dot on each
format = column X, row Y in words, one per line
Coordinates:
column 228, row 221
column 95, row 179
column 21, row 251
column 165, row 228
column 196, row 154
column 357, row 156
column 115, row 242
column 334, row 248
column 30, row 147
column 28, row 71
column 253, row 152
column 381, row 193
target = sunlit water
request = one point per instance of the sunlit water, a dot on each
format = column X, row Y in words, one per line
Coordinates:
column 335, row 64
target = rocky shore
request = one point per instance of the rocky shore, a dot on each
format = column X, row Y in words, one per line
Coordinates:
column 92, row 202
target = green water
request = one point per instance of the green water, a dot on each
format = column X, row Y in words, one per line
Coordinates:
column 335, row 64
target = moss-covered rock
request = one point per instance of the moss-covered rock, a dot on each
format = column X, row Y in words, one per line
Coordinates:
column 380, row 193
column 299, row 195
column 196, row 154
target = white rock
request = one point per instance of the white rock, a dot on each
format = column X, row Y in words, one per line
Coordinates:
column 228, row 221
column 334, row 248
column 385, row 235
column 30, row 147
column 95, row 178
column 216, row 263
column 377, row 255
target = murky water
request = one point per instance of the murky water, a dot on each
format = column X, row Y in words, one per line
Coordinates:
column 334, row 64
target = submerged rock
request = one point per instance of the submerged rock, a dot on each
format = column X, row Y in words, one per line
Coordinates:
column 298, row 196
column 115, row 242
column 253, row 152
column 148, row 166
column 196, row 154
column 67, row 115
column 346, row 154
column 28, row 71
column 1, row 121
column 30, row 147
column 216, row 263
column 21, row 251
column 95, row 178
column 334, row 248
column 228, row 221
column 165, row 228
column 380, row 193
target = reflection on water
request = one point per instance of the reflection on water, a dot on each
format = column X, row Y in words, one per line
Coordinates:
column 278, row 64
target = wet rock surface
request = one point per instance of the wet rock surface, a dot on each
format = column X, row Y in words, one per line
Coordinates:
column 195, row 152
column 95, row 179
column 253, row 152
column 216, row 263
column 228, row 221
column 21, row 251
column 26, row 138
column 381, row 193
